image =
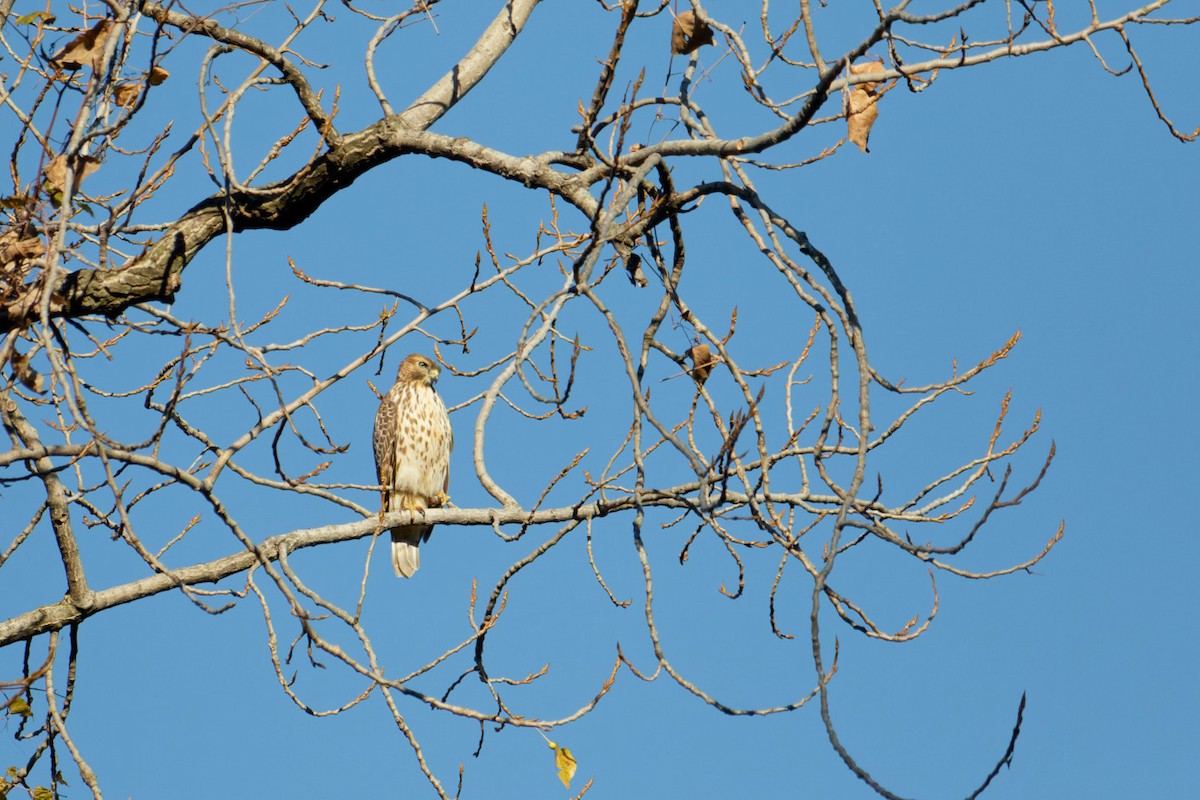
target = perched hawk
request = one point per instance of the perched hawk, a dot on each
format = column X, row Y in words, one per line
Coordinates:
column 413, row 441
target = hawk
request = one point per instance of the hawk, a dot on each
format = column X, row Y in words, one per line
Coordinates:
column 412, row 441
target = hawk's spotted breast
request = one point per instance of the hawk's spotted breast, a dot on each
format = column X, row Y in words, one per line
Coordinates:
column 413, row 441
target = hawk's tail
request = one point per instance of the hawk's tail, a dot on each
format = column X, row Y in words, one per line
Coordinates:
column 406, row 552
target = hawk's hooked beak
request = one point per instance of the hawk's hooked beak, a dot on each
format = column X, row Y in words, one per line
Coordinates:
column 434, row 374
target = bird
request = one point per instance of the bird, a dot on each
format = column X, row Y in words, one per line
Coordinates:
column 413, row 440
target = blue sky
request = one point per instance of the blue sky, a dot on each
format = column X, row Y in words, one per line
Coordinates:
column 1038, row 194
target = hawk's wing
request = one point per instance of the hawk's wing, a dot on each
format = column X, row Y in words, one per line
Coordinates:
column 384, row 439
column 449, row 450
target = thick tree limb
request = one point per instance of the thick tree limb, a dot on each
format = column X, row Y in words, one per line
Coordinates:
column 463, row 76
column 156, row 275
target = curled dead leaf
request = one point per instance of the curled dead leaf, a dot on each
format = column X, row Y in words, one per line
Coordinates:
column 689, row 33
column 86, row 49
column 26, row 374
column 126, row 94
column 14, row 248
column 703, row 362
column 55, row 174
column 864, row 68
column 864, row 105
column 864, row 110
column 157, row 76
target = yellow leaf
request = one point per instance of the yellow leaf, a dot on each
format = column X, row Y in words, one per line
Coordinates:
column 565, row 762
column 689, row 33
column 19, row 707
column 29, row 19
column 42, row 793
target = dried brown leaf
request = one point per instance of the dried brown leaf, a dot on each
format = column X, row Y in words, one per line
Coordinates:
column 703, row 362
column 864, row 68
column 85, row 166
column 864, row 105
column 157, row 76
column 863, row 113
column 689, row 33
column 126, row 94
column 14, row 248
column 86, row 49
column 26, row 374
column 55, row 173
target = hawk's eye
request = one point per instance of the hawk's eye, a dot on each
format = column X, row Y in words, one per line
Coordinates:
column 423, row 364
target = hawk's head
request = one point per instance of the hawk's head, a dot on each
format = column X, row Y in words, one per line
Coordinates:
column 418, row 369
